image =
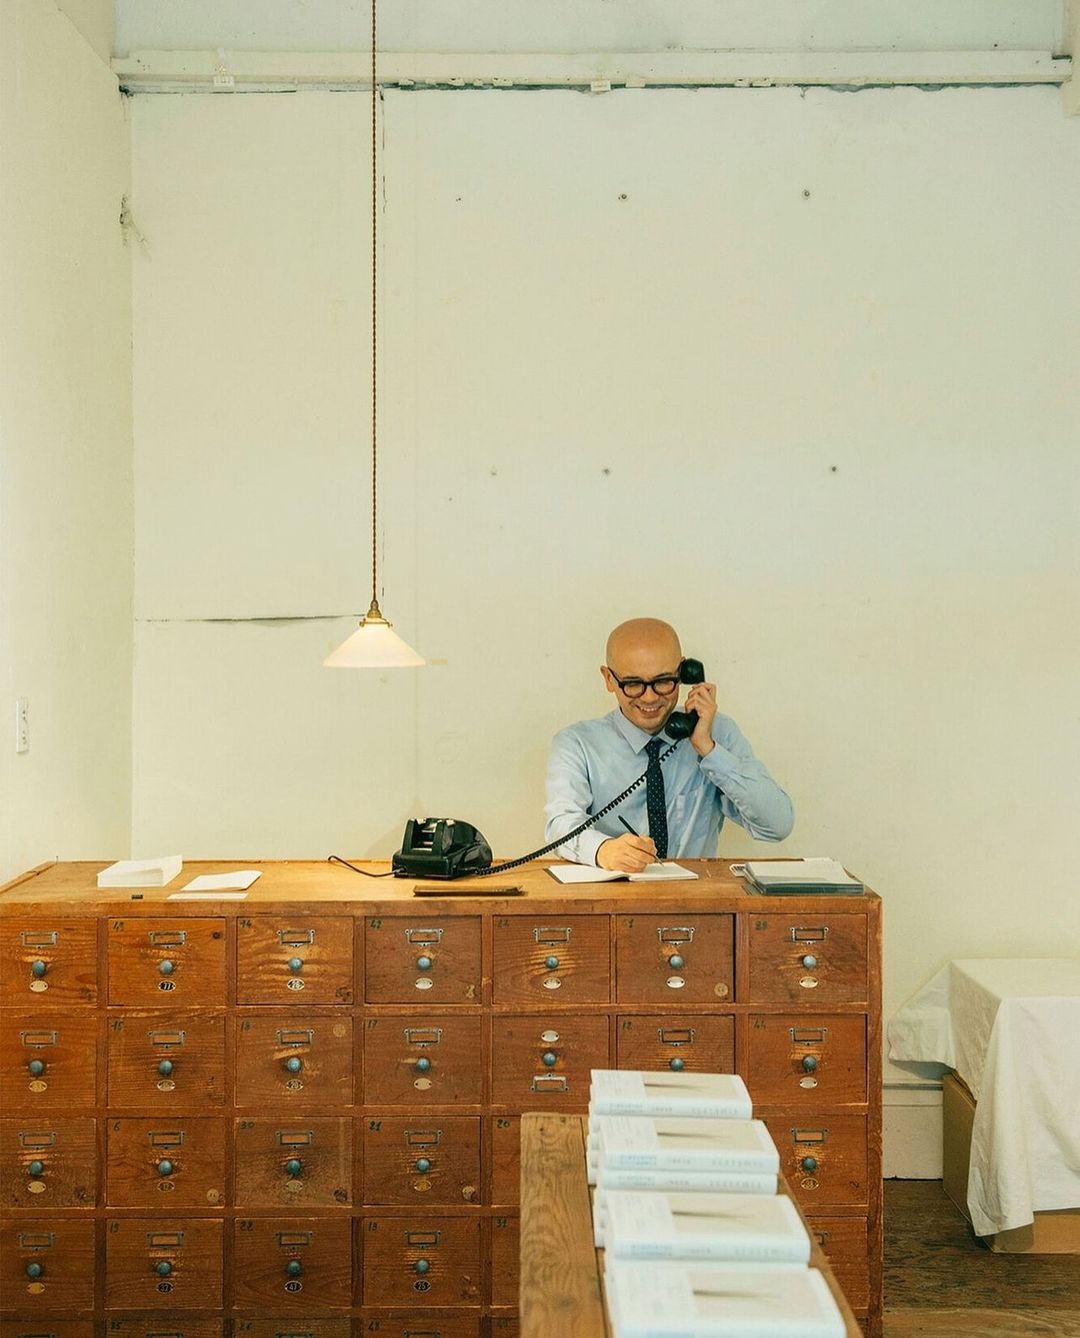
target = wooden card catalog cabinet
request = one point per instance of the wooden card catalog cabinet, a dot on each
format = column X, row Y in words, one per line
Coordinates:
column 298, row 1115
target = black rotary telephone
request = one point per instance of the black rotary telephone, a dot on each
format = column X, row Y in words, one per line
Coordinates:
column 681, row 724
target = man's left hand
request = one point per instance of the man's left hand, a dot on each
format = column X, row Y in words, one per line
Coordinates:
column 702, row 699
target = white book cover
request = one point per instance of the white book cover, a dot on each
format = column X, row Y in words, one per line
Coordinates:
column 689, row 1144
column 662, row 1092
column 656, row 1224
column 676, row 1182
column 141, row 872
column 718, row 1301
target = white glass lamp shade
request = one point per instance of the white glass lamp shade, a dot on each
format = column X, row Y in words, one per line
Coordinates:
column 374, row 645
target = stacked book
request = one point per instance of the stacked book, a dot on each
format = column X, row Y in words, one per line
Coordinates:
column 686, row 1182
column 796, row 877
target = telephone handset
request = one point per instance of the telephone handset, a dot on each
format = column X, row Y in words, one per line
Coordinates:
column 681, row 724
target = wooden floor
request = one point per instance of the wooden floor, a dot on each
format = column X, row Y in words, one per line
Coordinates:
column 942, row 1282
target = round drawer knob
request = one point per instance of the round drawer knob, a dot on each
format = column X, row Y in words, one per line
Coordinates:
column 551, row 963
column 36, row 1168
column 676, row 962
column 294, row 1166
column 421, row 1266
column 163, row 1269
column 294, row 1064
column 165, row 1167
column 36, row 1067
column 296, row 963
column 38, row 969
column 294, row 1268
column 166, row 967
column 809, row 961
column 165, row 1067
column 423, row 1165
column 34, row 1270
column 809, row 1063
column 423, row 963
column 549, row 1059
column 677, row 1064
column 422, row 1064
column 809, row 1165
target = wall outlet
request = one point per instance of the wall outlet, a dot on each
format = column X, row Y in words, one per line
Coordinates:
column 22, row 724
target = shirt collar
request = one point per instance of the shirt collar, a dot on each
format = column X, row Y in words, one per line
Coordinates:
column 636, row 738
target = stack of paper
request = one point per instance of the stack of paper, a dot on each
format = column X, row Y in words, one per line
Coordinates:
column 794, row 876
column 141, row 872
column 683, row 1300
column 720, row 1096
column 644, row 1224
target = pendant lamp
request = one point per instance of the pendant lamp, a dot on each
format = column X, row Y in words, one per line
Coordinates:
column 374, row 644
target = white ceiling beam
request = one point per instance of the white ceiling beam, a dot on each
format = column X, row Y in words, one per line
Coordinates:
column 262, row 71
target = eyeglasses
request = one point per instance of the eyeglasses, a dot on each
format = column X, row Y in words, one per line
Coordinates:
column 663, row 686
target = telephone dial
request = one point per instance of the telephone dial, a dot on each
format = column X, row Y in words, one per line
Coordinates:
column 449, row 848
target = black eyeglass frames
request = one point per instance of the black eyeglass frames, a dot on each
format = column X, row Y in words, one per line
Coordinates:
column 663, row 686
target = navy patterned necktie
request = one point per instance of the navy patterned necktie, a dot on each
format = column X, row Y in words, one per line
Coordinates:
column 654, row 799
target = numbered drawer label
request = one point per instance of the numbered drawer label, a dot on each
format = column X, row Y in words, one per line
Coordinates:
column 813, row 1060
column 560, row 960
column 163, row 1263
column 48, row 1165
column 47, row 1264
column 504, row 1158
column 49, row 963
column 428, row 1261
column 433, row 1059
column 675, row 959
column 824, row 1160
column 431, row 961
column 305, row 960
column 302, row 1163
column 298, row 1057
column 693, row 1042
column 813, row 961
column 420, row 1162
column 179, row 963
column 294, row 1264
column 543, row 1062
column 48, row 1063
column 166, row 1165
column 166, row 1061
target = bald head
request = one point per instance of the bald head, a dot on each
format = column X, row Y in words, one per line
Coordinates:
column 643, row 637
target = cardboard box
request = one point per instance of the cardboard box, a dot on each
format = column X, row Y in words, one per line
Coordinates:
column 1050, row 1233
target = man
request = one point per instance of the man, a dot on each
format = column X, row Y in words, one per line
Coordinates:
column 680, row 809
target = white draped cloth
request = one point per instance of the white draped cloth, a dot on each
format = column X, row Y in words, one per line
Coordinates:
column 1010, row 1027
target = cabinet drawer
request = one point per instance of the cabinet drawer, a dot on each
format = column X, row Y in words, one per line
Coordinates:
column 294, row 1059
column 419, row 1324
column 46, row 1328
column 431, row 961
column 674, row 959
column 46, row 1265
column 51, row 1164
column 176, row 962
column 422, row 1162
column 299, row 1164
column 422, row 1261
column 846, row 1241
column 815, row 960
column 163, row 1264
column 162, row 1326
column 48, row 1063
column 505, row 1326
column 432, row 1059
column 304, row 960
column 166, row 1061
column 541, row 1063
column 504, row 1158
column 166, row 1164
column 667, row 1041
column 293, row 1264
column 824, row 1159
column 807, row 1060
column 566, row 959
column 504, row 1253
column 296, row 1327
column 48, row 963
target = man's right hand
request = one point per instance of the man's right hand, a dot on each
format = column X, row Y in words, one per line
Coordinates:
column 627, row 854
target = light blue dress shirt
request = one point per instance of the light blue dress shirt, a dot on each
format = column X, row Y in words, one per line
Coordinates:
column 593, row 761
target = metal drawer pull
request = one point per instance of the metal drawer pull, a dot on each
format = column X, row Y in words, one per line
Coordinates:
column 295, row 938
column 166, row 1039
column 550, row 1082
column 291, row 1240
column 676, row 1036
column 166, row 1138
column 38, row 1038
column 676, row 934
column 37, row 1140
column 810, row 935
column 300, row 1138
column 36, row 1240
column 423, row 1239
column 295, row 1036
column 809, row 1035
column 424, row 937
column 39, row 938
column 168, row 938
column 809, row 1135
column 423, row 1035
column 423, row 1138
column 164, row 1240
column 548, row 935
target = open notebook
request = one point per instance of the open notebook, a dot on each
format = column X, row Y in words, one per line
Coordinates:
column 661, row 872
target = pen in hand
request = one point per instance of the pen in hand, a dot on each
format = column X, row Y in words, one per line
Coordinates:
column 627, row 825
